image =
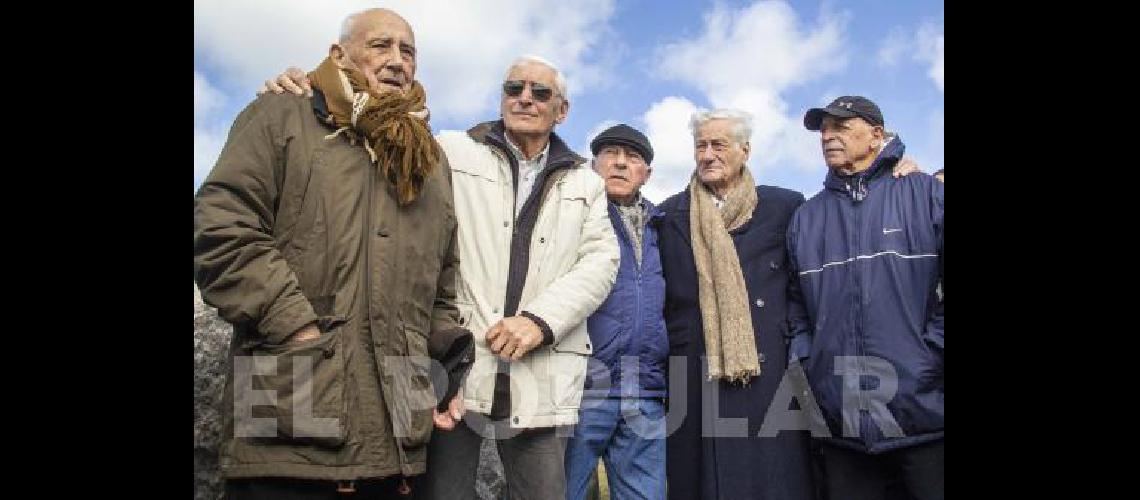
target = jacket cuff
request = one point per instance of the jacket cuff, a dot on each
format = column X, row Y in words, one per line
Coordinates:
column 454, row 348
column 283, row 321
column 547, row 333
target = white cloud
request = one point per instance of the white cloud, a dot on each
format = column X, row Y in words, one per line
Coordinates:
column 936, row 138
column 926, row 45
column 931, row 41
column 896, row 44
column 207, row 99
column 207, row 145
column 209, row 131
column 758, row 46
column 595, row 130
column 464, row 46
column 667, row 126
column 747, row 58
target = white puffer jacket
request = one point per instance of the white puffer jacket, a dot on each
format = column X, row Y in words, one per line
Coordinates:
column 572, row 264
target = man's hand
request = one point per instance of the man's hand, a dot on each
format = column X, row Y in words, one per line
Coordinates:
column 513, row 337
column 305, row 334
column 293, row 80
column 447, row 420
column 905, row 166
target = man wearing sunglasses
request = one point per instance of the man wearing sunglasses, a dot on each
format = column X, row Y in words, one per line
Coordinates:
column 538, row 256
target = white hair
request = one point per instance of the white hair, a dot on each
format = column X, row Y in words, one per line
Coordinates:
column 741, row 121
column 559, row 78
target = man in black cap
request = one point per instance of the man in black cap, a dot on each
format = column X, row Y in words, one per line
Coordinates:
column 867, row 251
column 622, row 415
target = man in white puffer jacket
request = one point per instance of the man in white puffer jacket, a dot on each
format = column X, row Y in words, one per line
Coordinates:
column 537, row 256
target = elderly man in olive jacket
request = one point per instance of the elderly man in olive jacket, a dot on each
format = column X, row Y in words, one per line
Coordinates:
column 326, row 234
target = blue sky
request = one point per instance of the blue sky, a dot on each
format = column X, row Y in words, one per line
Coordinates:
column 642, row 62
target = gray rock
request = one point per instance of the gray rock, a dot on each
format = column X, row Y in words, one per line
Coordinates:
column 211, row 348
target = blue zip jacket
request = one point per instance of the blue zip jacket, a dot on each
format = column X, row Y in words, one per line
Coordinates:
column 867, row 251
column 631, row 323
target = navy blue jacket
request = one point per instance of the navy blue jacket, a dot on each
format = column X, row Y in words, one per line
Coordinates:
column 867, row 251
column 630, row 322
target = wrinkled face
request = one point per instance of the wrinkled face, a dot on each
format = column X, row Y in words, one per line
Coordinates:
column 383, row 48
column 623, row 169
column 849, row 143
column 719, row 155
column 524, row 115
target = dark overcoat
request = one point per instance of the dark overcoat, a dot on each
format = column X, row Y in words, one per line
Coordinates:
column 701, row 465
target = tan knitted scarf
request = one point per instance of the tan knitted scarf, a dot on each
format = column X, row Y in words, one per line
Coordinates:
column 730, row 344
column 392, row 125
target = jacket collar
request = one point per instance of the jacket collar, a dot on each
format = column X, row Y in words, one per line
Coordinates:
column 855, row 186
column 493, row 133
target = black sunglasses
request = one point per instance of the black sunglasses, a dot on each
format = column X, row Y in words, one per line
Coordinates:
column 541, row 93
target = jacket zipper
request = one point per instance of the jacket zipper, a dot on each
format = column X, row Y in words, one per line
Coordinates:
column 857, row 305
column 637, row 338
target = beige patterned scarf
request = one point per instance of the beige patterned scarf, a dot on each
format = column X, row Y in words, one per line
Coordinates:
column 730, row 342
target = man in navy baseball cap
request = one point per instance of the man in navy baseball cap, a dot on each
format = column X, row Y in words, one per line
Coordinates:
column 847, row 106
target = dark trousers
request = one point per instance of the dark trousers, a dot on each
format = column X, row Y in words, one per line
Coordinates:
column 275, row 488
column 533, row 462
column 853, row 475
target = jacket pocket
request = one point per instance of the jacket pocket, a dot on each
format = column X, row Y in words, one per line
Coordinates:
column 567, row 379
column 932, row 374
column 473, row 170
column 298, row 215
column 567, row 367
column 576, row 341
column 415, row 396
column 307, row 382
column 604, row 325
column 295, row 193
column 563, row 226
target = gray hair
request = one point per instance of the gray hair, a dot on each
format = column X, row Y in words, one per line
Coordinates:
column 559, row 78
column 741, row 121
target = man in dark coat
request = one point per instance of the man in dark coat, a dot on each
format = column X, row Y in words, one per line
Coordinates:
column 712, row 456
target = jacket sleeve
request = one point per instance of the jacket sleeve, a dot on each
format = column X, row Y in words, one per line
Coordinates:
column 575, row 295
column 934, row 326
column 445, row 312
column 236, row 265
column 449, row 343
column 799, row 333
